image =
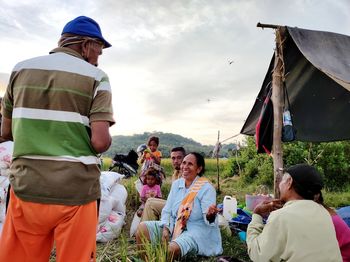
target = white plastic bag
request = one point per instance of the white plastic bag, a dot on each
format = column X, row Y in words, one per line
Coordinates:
column 6, row 150
column 4, row 183
column 224, row 225
column 112, row 207
column 106, row 205
column 134, row 224
column 138, row 185
column 108, row 179
column 118, row 205
column 119, row 193
column 111, row 228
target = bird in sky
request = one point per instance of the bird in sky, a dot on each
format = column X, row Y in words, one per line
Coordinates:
column 230, row 62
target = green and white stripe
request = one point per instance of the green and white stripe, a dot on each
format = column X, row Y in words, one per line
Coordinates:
column 87, row 160
column 62, row 62
column 54, row 115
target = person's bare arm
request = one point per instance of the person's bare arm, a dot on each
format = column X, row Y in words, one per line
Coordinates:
column 143, row 157
column 6, row 130
column 143, row 199
column 100, row 137
column 266, row 207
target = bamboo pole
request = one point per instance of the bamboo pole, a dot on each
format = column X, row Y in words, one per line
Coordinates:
column 277, row 95
column 217, row 166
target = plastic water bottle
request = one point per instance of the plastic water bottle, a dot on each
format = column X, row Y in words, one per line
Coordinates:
column 230, row 207
column 287, row 119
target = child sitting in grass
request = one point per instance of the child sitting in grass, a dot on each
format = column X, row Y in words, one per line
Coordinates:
column 151, row 188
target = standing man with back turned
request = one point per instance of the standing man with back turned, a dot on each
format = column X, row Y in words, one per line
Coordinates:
column 58, row 110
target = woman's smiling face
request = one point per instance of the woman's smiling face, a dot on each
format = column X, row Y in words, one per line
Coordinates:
column 189, row 168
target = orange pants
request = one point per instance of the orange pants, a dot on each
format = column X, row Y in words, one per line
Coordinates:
column 30, row 230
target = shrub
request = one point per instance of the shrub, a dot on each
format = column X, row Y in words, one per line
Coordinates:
column 335, row 165
column 331, row 159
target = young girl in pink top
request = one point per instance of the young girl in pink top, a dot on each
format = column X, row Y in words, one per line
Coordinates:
column 151, row 188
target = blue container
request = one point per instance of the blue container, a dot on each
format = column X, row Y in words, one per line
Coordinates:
column 242, row 217
column 344, row 213
column 242, row 236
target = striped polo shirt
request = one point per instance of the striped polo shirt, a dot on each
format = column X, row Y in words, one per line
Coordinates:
column 52, row 100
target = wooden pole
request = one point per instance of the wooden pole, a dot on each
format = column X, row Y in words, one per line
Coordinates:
column 217, row 165
column 266, row 25
column 277, row 100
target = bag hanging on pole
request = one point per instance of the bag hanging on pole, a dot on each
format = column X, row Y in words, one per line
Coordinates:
column 264, row 126
column 288, row 131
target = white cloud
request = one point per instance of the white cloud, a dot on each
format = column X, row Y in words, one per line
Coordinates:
column 169, row 57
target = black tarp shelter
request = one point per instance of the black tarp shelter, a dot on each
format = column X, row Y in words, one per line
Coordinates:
column 317, row 78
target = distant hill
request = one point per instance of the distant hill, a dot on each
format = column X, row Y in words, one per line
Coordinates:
column 123, row 144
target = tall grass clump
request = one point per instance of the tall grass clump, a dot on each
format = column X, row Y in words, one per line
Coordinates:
column 157, row 252
column 106, row 163
column 133, row 199
column 116, row 250
column 337, row 199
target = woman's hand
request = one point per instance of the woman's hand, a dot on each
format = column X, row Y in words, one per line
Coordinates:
column 165, row 235
column 211, row 213
column 266, row 207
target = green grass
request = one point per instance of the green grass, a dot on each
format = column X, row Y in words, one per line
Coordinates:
column 337, row 199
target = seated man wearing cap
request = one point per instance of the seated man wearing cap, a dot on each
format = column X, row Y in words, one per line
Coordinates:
column 58, row 110
column 301, row 230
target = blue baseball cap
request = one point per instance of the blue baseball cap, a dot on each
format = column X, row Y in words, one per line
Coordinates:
column 85, row 26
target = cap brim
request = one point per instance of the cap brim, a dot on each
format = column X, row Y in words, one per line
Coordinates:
column 106, row 44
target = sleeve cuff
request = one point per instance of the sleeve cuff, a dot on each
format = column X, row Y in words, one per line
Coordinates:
column 257, row 219
column 108, row 117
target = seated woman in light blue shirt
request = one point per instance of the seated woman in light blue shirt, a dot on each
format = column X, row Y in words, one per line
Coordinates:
column 189, row 218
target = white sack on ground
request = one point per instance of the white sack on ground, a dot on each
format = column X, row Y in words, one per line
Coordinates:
column 108, row 179
column 6, row 150
column 138, row 185
column 119, row 194
column 135, row 222
column 112, row 207
column 111, row 203
column 224, row 225
column 111, row 227
column 4, row 183
column 106, row 205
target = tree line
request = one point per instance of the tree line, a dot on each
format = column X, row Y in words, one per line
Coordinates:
column 123, row 144
column 332, row 159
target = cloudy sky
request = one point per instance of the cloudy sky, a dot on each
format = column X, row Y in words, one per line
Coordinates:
column 169, row 65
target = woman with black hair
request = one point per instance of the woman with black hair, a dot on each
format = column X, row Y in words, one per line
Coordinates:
column 188, row 222
column 301, row 230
